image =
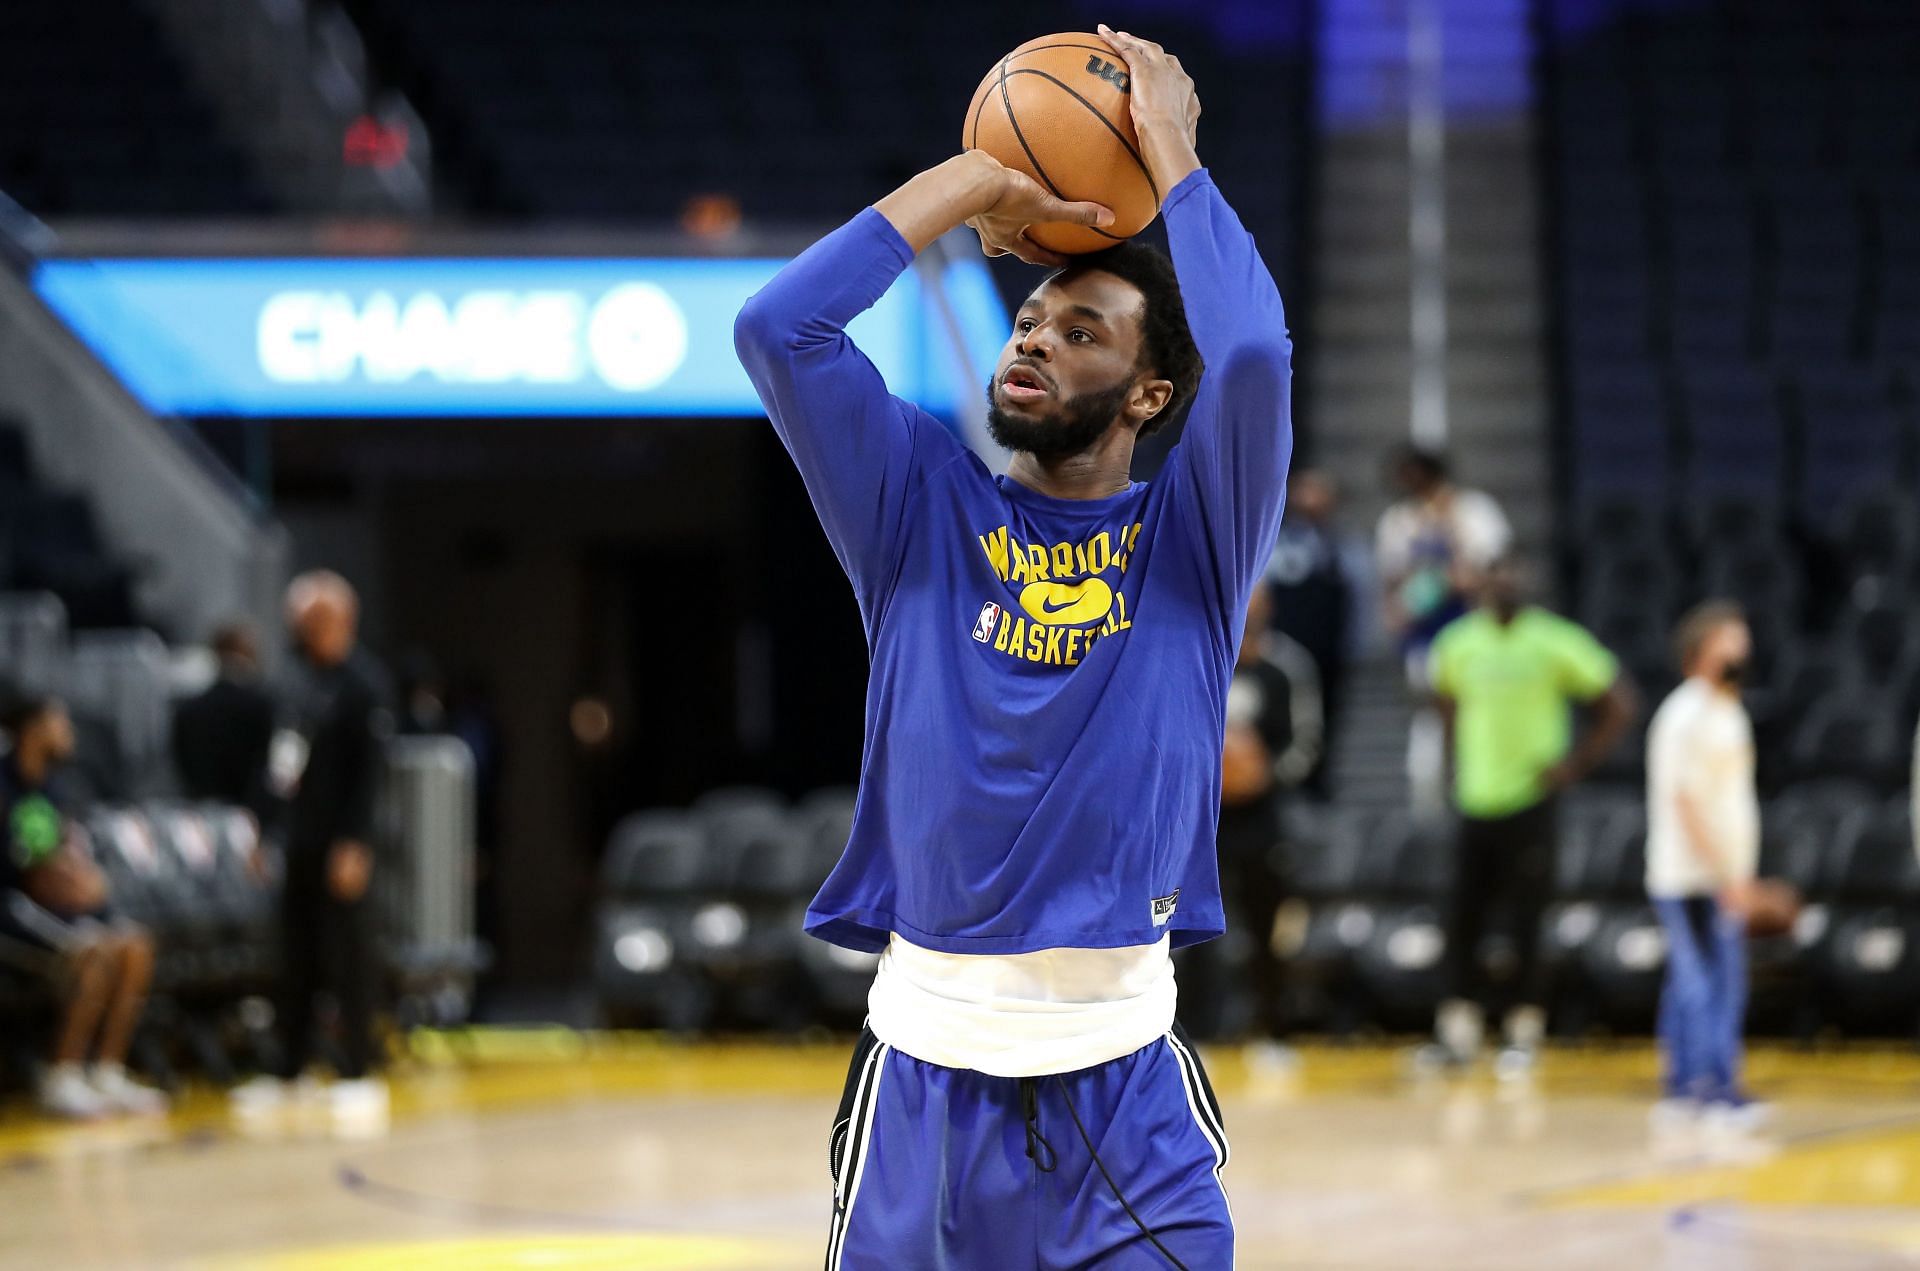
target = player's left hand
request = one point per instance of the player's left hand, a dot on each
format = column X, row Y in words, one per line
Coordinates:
column 1160, row 91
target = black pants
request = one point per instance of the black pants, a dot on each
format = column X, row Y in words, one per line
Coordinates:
column 1505, row 863
column 1253, row 893
column 326, row 947
column 1251, row 890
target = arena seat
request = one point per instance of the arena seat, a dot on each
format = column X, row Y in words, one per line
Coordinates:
column 585, row 113
column 657, row 869
column 1728, row 193
column 56, row 547
column 1333, row 912
column 103, row 119
column 1875, row 532
column 731, row 800
column 1869, row 962
column 1839, row 738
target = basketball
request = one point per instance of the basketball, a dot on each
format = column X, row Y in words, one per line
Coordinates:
column 1774, row 909
column 1056, row 108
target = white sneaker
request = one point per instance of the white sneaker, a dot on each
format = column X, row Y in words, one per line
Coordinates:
column 1516, row 1063
column 1738, row 1118
column 64, row 1092
column 260, row 1094
column 111, row 1082
column 267, row 1093
column 362, row 1099
column 1673, row 1116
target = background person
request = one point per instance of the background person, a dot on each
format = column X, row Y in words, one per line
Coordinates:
column 55, row 920
column 1507, row 677
column 1313, row 599
column 221, row 737
column 333, row 761
column 1432, row 547
column 1703, row 847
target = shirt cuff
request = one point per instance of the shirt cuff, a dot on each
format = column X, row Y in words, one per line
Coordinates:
column 873, row 222
column 1194, row 180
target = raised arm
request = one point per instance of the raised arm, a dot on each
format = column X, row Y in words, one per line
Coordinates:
column 861, row 451
column 1239, row 434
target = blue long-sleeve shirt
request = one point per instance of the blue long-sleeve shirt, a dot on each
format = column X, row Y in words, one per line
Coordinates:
column 1046, row 703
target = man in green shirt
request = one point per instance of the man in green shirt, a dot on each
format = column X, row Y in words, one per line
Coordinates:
column 1508, row 677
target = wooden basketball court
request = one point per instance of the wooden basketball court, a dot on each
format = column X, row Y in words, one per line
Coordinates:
column 549, row 1149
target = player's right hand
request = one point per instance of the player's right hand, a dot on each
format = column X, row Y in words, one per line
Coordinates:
column 1019, row 201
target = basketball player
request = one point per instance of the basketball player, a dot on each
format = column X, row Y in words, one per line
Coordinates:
column 1703, row 846
column 1050, row 655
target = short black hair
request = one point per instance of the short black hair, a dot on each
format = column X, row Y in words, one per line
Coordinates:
column 1166, row 345
column 1431, row 463
column 20, row 706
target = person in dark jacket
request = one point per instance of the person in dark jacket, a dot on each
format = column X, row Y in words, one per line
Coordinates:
column 328, row 761
column 1313, row 598
column 221, row 737
column 1273, row 739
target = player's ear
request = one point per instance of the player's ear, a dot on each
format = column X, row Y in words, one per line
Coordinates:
column 1150, row 397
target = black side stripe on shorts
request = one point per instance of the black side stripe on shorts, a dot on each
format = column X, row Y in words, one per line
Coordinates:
column 849, row 1139
column 1206, row 1113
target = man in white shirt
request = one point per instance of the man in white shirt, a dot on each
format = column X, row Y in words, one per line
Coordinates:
column 1703, row 845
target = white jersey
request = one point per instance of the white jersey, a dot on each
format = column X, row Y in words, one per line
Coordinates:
column 1700, row 743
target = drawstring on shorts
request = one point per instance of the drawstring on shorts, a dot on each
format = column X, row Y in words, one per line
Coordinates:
column 1039, row 1151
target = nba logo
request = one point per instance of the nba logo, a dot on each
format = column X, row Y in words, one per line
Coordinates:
column 989, row 618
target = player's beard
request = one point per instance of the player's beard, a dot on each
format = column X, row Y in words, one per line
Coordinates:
column 1069, row 429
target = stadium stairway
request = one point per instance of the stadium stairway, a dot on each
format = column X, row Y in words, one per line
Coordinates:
column 204, row 552
column 1370, row 756
column 1468, row 292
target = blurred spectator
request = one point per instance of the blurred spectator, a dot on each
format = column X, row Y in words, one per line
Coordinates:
column 1432, row 546
column 329, row 763
column 221, row 738
column 1703, row 848
column 1313, row 595
column 1506, row 677
column 1273, row 740
column 56, row 921
column 1431, row 549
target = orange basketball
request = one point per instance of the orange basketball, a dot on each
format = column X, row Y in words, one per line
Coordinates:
column 1774, row 909
column 1056, row 108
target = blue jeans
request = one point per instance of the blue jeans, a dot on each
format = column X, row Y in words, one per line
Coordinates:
column 1704, row 1002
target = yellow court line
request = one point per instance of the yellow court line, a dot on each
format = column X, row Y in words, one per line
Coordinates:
column 560, row 1252
column 491, row 1069
column 1874, row 1168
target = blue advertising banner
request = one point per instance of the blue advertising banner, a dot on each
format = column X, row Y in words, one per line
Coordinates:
column 411, row 337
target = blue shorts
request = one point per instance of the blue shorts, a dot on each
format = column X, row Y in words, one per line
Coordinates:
column 947, row 1169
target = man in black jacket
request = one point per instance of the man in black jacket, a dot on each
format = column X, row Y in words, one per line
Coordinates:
column 1313, row 598
column 329, row 763
column 221, row 737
